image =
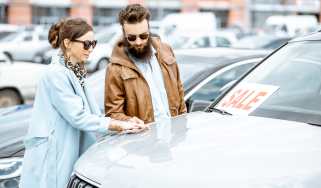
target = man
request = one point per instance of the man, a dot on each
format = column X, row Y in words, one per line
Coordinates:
column 142, row 79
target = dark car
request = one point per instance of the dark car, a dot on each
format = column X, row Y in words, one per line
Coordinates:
column 266, row 41
column 272, row 140
column 13, row 128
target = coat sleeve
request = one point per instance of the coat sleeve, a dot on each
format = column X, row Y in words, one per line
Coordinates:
column 114, row 94
column 182, row 107
column 71, row 106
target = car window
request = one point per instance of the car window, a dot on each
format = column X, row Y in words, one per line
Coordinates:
column 275, row 44
column 27, row 38
column 202, row 42
column 43, row 37
column 211, row 90
column 4, row 34
column 222, row 42
column 11, row 37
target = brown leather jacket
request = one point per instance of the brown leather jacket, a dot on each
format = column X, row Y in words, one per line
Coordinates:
column 127, row 93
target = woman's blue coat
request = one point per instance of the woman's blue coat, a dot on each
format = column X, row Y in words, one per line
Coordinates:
column 63, row 125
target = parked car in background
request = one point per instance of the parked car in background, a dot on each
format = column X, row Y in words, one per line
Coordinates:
column 200, row 41
column 18, row 81
column 265, row 41
column 43, row 56
column 292, row 25
column 100, row 56
column 277, row 145
column 23, row 45
column 176, row 24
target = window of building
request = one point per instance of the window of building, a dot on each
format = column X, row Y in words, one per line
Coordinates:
column 3, row 13
column 48, row 15
column 105, row 16
column 160, row 12
column 221, row 16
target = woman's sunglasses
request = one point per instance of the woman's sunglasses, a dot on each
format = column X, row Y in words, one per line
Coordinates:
column 87, row 43
column 133, row 38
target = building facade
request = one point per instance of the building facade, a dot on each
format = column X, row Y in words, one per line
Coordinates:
column 246, row 13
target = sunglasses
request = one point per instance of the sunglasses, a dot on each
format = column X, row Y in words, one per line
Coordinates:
column 133, row 38
column 87, row 43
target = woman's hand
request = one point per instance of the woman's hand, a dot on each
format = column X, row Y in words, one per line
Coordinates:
column 131, row 126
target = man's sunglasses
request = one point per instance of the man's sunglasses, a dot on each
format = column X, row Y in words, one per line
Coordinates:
column 87, row 43
column 133, row 38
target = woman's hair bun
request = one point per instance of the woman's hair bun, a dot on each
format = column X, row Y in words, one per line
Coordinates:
column 53, row 35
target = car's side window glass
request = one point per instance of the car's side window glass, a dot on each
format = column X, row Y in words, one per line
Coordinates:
column 222, row 42
column 202, row 42
column 27, row 38
column 211, row 90
column 43, row 37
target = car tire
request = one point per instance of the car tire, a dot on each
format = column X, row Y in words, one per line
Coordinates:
column 9, row 56
column 9, row 97
column 38, row 59
column 102, row 63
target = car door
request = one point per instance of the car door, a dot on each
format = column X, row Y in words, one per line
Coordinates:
column 24, row 47
column 209, row 89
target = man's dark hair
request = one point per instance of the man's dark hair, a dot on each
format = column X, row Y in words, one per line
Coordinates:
column 133, row 13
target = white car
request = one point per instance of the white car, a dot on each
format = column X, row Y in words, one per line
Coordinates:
column 100, row 56
column 24, row 45
column 200, row 41
column 18, row 81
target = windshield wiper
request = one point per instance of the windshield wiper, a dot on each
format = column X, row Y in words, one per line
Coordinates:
column 314, row 124
column 213, row 109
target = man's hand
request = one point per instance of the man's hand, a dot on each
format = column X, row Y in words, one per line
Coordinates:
column 131, row 126
column 136, row 120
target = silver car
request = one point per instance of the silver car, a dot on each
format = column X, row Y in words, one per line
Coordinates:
column 272, row 140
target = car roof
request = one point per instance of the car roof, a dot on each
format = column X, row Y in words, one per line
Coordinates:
column 197, row 64
column 214, row 52
column 310, row 37
column 203, row 67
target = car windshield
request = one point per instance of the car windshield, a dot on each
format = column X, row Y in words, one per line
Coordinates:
column 10, row 37
column 287, row 85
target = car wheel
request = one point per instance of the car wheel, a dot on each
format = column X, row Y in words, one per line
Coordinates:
column 9, row 97
column 38, row 59
column 8, row 56
column 102, row 63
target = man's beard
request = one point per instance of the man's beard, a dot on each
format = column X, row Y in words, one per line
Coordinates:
column 143, row 53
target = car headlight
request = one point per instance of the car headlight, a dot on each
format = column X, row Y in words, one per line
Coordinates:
column 10, row 168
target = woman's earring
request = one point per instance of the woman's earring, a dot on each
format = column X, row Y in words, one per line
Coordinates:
column 67, row 56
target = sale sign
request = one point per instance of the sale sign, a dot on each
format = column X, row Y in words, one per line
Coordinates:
column 246, row 97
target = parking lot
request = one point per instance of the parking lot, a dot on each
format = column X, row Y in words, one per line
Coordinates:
column 252, row 95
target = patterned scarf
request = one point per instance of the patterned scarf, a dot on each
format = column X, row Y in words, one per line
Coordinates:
column 78, row 69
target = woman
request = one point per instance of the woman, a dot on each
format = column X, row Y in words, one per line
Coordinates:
column 65, row 116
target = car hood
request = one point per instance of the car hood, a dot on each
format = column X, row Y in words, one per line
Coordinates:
column 13, row 128
column 208, row 150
